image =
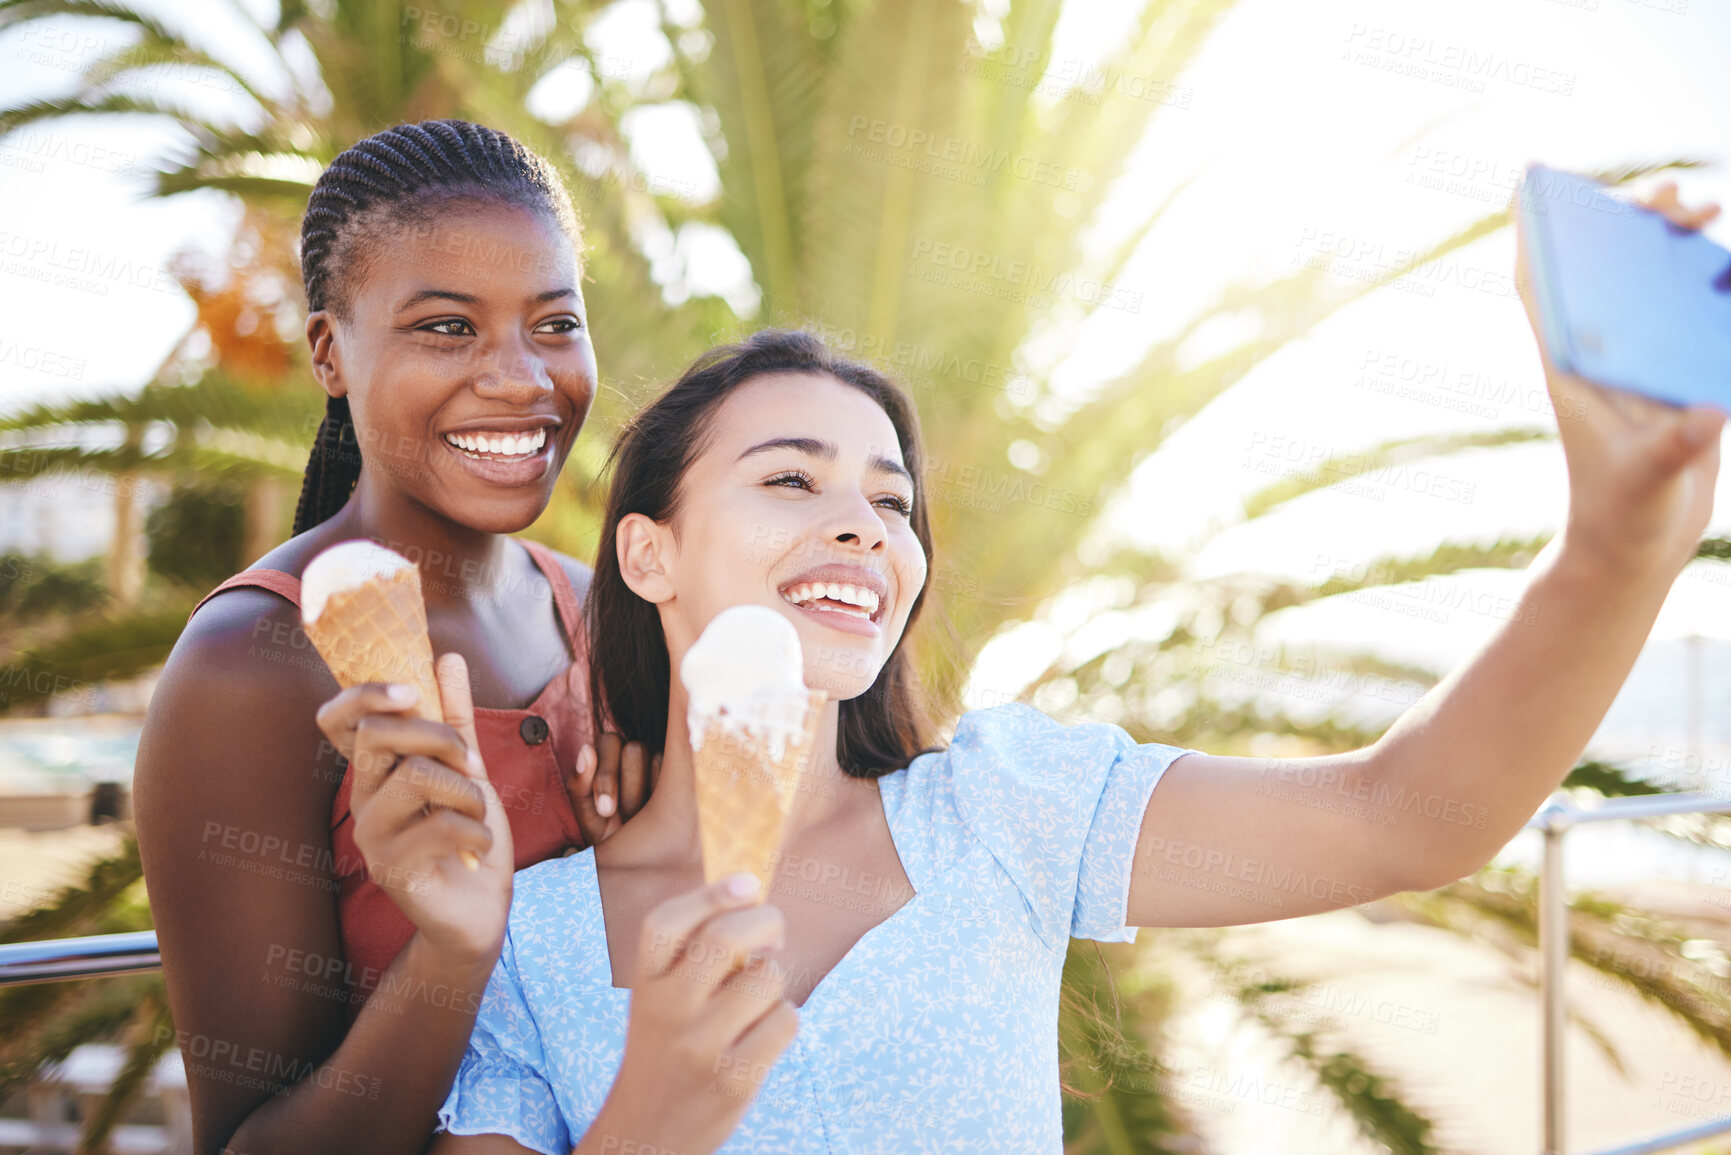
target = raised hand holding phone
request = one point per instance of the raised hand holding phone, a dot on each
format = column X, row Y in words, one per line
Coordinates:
column 1641, row 470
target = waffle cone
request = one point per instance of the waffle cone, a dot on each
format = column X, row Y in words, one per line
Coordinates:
column 744, row 795
column 377, row 632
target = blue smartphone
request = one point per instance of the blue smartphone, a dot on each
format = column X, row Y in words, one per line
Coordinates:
column 1625, row 298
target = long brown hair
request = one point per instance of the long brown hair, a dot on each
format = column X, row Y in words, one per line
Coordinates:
column 629, row 670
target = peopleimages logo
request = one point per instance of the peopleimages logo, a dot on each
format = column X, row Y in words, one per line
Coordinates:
column 980, row 271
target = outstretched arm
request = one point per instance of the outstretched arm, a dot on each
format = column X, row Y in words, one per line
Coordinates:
column 1237, row 840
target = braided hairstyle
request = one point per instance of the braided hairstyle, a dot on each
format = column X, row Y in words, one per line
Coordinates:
column 404, row 174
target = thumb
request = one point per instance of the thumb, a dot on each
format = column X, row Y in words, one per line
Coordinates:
column 1702, row 427
column 452, row 673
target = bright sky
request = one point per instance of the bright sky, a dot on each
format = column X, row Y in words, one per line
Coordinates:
column 1338, row 124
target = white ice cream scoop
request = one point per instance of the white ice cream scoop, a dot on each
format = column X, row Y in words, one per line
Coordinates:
column 345, row 566
column 746, row 672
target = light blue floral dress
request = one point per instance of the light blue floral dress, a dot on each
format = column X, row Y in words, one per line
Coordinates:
column 938, row 1031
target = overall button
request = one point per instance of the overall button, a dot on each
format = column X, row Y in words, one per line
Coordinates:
column 533, row 729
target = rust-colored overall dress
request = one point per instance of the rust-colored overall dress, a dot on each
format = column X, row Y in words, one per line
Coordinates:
column 527, row 754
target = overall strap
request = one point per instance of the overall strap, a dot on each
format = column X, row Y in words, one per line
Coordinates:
column 564, row 597
column 279, row 583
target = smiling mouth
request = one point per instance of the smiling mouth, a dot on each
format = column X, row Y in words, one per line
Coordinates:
column 484, row 446
column 837, row 597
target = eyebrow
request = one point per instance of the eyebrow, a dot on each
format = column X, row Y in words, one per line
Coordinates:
column 471, row 299
column 824, row 450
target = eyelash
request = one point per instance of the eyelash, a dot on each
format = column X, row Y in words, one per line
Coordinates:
column 900, row 504
column 572, row 325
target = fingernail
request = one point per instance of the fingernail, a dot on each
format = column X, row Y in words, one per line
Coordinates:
column 397, row 692
column 475, row 762
column 604, row 805
column 742, row 885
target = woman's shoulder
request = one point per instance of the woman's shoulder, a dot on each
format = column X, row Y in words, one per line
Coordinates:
column 244, row 653
column 247, row 640
column 1016, row 734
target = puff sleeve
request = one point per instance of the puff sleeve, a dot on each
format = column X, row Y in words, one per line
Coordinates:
column 1059, row 807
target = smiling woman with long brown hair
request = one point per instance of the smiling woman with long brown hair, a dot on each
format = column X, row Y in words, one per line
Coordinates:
column 322, row 963
column 634, row 1008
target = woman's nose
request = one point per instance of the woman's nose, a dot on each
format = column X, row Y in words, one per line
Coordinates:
column 859, row 526
column 513, row 374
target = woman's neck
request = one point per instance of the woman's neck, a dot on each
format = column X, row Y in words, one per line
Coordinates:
column 458, row 564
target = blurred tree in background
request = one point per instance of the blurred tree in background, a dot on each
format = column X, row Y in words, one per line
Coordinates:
column 873, row 156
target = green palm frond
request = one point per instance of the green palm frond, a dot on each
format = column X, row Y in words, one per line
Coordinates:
column 1373, row 1100
column 1379, row 458
column 1448, row 558
column 35, row 589
column 96, row 650
column 81, row 906
column 1117, row 1099
column 159, row 53
column 46, row 1021
column 1635, row 950
column 215, row 400
column 149, row 1035
column 109, row 104
column 16, row 12
column 1610, row 781
column 63, row 1017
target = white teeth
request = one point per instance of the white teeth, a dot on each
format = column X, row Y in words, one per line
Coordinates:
column 503, row 444
column 855, row 601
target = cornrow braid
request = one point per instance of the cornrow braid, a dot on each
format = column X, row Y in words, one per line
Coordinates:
column 400, row 173
column 332, row 469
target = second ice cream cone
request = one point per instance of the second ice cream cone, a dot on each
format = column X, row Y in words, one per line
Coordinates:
column 744, row 793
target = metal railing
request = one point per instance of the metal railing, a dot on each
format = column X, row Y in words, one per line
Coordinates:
column 99, row 956
column 93, row 957
column 1554, row 821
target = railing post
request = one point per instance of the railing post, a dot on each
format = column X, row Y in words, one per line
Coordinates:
column 1554, row 959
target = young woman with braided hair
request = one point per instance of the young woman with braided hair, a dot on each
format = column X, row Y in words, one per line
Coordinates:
column 323, row 962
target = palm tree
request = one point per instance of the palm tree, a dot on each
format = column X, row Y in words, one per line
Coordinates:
column 918, row 195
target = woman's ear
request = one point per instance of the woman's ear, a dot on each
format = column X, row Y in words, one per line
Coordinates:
column 322, row 340
column 644, row 549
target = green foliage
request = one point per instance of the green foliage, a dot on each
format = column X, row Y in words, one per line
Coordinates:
column 1610, row 781
column 195, row 537
column 34, row 588
column 1373, row 1100
column 1118, row 1098
column 1637, row 950
column 45, row 1022
column 95, row 649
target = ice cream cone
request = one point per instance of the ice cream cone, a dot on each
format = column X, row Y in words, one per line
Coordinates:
column 744, row 793
column 361, row 606
column 377, row 632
